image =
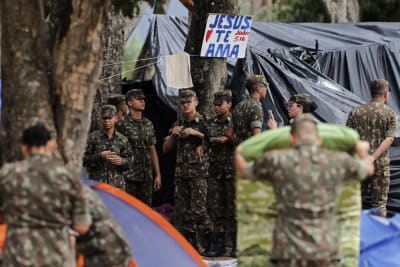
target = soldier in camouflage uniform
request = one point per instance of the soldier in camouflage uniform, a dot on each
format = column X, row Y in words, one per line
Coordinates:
column 219, row 144
column 190, row 212
column 248, row 115
column 376, row 123
column 141, row 135
column 118, row 101
column 41, row 200
column 306, row 180
column 108, row 153
column 300, row 104
column 104, row 244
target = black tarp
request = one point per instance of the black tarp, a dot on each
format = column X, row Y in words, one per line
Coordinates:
column 334, row 63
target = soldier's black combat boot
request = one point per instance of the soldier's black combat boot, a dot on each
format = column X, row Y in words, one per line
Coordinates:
column 210, row 246
column 220, row 247
column 233, row 236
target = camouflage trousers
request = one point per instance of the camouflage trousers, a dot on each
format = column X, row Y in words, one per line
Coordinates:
column 305, row 263
column 142, row 190
column 374, row 190
column 190, row 211
column 221, row 200
column 42, row 247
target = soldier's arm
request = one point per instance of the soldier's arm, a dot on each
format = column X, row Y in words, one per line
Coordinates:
column 90, row 158
column 390, row 134
column 81, row 218
column 383, row 147
column 256, row 120
column 240, row 163
column 169, row 141
column 169, row 144
column 127, row 156
column 190, row 131
column 156, row 167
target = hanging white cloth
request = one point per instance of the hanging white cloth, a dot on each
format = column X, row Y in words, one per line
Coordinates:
column 178, row 70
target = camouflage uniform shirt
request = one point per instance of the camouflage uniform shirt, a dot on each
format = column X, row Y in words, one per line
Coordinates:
column 248, row 114
column 220, row 155
column 101, row 170
column 306, row 180
column 141, row 137
column 105, row 243
column 186, row 164
column 374, row 122
column 41, row 200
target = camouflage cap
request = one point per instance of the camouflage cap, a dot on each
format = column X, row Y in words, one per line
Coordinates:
column 221, row 96
column 186, row 95
column 254, row 79
column 300, row 99
column 108, row 111
column 136, row 93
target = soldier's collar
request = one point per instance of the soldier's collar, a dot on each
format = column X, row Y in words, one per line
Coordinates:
column 303, row 143
column 228, row 118
column 195, row 119
column 377, row 100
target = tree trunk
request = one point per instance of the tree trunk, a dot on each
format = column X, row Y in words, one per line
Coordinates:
column 76, row 61
column 342, row 11
column 56, row 87
column 25, row 67
column 110, row 78
column 208, row 74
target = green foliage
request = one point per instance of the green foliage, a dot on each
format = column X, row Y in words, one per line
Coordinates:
column 129, row 8
column 299, row 11
column 288, row 11
column 383, row 10
column 131, row 54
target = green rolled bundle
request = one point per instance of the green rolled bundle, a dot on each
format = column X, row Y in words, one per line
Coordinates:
column 256, row 207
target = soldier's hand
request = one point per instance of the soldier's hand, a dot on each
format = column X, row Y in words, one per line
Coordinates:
column 106, row 154
column 176, row 130
column 362, row 148
column 157, row 183
column 116, row 160
column 187, row 131
column 272, row 124
column 199, row 153
column 220, row 140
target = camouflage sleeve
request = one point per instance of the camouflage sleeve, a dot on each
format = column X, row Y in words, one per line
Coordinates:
column 127, row 156
column 4, row 173
column 392, row 125
column 353, row 168
column 80, row 207
column 90, row 158
column 205, row 141
column 261, row 168
column 152, row 135
column 256, row 117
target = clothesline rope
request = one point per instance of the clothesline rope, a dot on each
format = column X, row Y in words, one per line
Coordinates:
column 137, row 60
column 147, row 65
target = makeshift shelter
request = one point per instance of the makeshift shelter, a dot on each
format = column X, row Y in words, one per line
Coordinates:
column 334, row 63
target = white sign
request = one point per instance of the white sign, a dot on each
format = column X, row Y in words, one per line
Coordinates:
column 226, row 36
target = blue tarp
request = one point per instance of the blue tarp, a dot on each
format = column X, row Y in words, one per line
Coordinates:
column 380, row 241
